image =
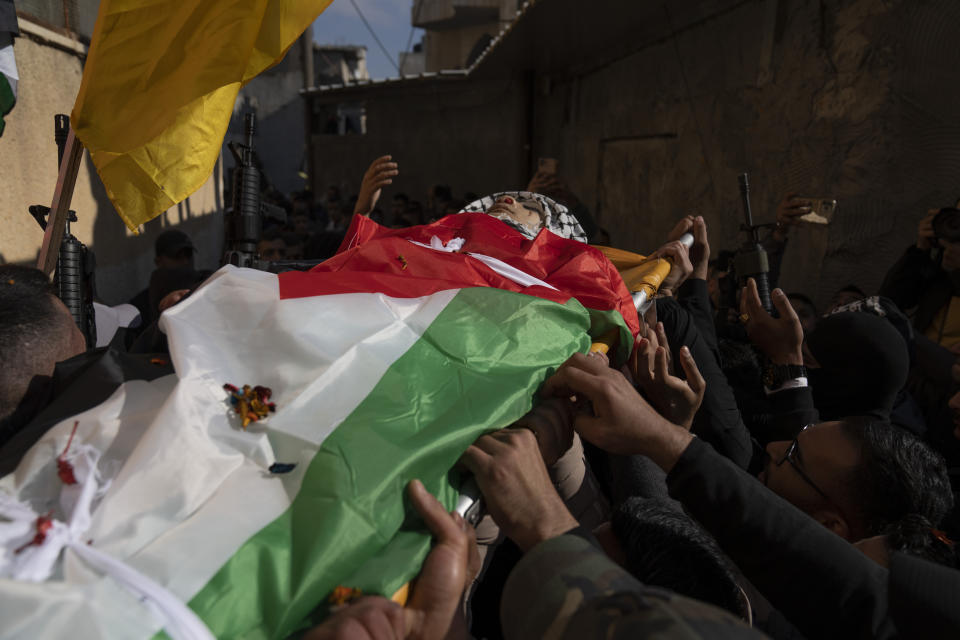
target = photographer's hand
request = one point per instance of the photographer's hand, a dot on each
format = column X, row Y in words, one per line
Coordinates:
column 926, row 239
column 789, row 211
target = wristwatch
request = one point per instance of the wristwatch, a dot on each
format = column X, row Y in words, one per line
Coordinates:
column 774, row 375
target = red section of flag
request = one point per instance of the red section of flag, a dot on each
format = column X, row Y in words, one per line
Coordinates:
column 373, row 258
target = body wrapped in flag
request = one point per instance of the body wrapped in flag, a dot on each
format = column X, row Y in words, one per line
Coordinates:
column 381, row 370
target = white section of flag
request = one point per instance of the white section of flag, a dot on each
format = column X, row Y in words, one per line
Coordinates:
column 189, row 487
column 8, row 66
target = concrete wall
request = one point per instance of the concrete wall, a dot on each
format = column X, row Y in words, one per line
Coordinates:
column 50, row 68
column 853, row 99
column 464, row 135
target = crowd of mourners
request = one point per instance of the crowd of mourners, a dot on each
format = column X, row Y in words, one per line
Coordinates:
column 786, row 472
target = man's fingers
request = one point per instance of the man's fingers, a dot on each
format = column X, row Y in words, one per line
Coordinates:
column 782, row 303
column 490, row 444
column 382, row 619
column 579, row 381
column 644, row 346
column 752, row 297
column 600, row 356
column 700, row 230
column 558, row 384
column 591, row 428
column 652, row 341
column 691, row 371
column 434, row 515
column 683, row 226
column 476, row 460
column 369, row 618
column 672, row 250
column 645, row 351
column 662, row 335
column 384, row 175
column 660, row 367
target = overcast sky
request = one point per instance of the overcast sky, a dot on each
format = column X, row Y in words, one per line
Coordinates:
column 390, row 19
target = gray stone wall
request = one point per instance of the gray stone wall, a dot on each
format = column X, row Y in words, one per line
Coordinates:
column 854, row 99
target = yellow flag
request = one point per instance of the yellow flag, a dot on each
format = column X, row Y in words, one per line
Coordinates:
column 159, row 85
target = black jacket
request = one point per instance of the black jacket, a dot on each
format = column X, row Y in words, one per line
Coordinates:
column 820, row 582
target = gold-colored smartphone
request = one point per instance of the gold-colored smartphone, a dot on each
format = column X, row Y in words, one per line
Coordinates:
column 821, row 210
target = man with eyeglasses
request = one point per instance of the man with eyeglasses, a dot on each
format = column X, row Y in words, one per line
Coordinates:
column 852, row 477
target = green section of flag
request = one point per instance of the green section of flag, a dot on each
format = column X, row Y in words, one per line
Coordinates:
column 476, row 368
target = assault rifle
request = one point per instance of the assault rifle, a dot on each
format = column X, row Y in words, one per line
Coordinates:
column 73, row 279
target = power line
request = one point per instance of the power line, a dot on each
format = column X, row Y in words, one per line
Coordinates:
column 370, row 29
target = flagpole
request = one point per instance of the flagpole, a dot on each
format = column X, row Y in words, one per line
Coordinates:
column 60, row 208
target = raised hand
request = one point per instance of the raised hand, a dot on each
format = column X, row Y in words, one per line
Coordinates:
column 780, row 338
column 378, row 175
column 622, row 421
column 700, row 251
column 681, row 268
column 677, row 399
column 926, row 238
column 788, row 214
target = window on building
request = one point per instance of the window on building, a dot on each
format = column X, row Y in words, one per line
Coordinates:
column 345, row 118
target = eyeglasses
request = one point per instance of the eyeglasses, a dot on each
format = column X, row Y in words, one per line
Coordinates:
column 794, row 457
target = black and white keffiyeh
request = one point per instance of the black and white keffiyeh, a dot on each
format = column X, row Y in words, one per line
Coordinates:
column 558, row 218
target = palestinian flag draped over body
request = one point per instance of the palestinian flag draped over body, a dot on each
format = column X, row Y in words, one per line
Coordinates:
column 385, row 363
column 159, row 86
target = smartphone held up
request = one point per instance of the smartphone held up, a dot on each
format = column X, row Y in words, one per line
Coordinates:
column 821, row 211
